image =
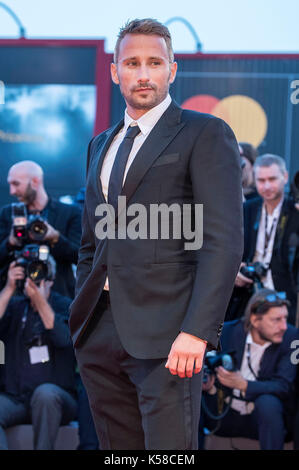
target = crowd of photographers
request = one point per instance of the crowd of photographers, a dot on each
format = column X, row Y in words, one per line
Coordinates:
column 249, row 388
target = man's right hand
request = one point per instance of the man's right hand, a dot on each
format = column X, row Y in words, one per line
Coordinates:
column 14, row 273
column 241, row 280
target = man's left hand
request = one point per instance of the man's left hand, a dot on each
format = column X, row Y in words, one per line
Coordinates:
column 52, row 235
column 186, row 355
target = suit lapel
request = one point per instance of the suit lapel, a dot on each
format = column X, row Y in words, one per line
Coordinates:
column 101, row 151
column 160, row 136
column 257, row 221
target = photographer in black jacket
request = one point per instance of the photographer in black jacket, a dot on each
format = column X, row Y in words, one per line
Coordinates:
column 262, row 384
column 63, row 224
column 38, row 378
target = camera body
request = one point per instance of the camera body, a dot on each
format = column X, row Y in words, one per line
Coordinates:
column 26, row 227
column 255, row 271
column 214, row 360
column 35, row 261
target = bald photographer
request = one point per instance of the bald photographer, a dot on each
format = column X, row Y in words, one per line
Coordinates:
column 38, row 218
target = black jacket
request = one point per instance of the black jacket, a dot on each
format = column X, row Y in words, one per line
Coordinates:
column 67, row 220
column 19, row 328
column 277, row 372
column 283, row 255
column 157, row 287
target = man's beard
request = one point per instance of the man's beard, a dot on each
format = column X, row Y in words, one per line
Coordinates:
column 29, row 195
column 156, row 98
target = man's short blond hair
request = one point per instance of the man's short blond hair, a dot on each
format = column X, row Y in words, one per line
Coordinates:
column 147, row 26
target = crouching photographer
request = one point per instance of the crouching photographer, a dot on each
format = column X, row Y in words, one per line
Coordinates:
column 39, row 371
column 249, row 396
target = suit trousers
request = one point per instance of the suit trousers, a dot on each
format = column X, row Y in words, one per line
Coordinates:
column 136, row 403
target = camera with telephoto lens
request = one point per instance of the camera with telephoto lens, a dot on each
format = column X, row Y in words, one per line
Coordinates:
column 35, row 261
column 27, row 227
column 214, row 360
column 254, row 271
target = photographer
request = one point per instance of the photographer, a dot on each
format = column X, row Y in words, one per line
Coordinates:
column 39, row 371
column 261, row 384
column 271, row 222
column 61, row 224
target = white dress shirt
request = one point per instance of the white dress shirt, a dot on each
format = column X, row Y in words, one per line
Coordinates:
column 146, row 123
column 256, row 354
column 265, row 258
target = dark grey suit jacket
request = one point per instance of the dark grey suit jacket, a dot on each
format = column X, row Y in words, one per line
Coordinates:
column 157, row 288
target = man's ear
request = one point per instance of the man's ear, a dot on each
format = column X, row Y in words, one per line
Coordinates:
column 114, row 76
column 286, row 177
column 173, row 70
column 35, row 181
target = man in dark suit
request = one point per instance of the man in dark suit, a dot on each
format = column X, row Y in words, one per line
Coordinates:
column 146, row 307
column 63, row 222
column 262, row 384
column 271, row 232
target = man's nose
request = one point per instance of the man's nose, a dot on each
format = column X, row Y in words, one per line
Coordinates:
column 12, row 190
column 143, row 74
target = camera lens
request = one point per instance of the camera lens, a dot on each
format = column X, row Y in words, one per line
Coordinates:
column 37, row 271
column 37, row 229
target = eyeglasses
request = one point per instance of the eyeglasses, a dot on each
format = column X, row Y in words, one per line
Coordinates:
column 276, row 296
column 279, row 297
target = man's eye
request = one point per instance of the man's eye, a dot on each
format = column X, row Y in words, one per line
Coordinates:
column 155, row 62
column 132, row 63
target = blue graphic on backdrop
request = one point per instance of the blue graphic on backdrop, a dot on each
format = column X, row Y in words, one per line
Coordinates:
column 52, row 125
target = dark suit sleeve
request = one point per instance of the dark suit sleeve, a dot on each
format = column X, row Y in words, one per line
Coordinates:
column 67, row 247
column 216, row 181
column 87, row 247
column 5, row 227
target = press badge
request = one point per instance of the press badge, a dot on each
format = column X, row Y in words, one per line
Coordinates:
column 39, row 354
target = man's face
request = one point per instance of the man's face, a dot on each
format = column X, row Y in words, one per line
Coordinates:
column 272, row 325
column 20, row 187
column 270, row 182
column 143, row 72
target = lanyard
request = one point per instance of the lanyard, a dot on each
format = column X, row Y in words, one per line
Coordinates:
column 268, row 236
column 249, row 361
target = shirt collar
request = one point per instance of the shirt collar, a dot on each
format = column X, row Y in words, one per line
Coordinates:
column 276, row 212
column 249, row 340
column 149, row 119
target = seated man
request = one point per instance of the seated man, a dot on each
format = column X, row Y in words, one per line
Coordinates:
column 38, row 378
column 262, row 381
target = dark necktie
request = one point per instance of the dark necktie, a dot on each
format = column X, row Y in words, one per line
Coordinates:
column 119, row 165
